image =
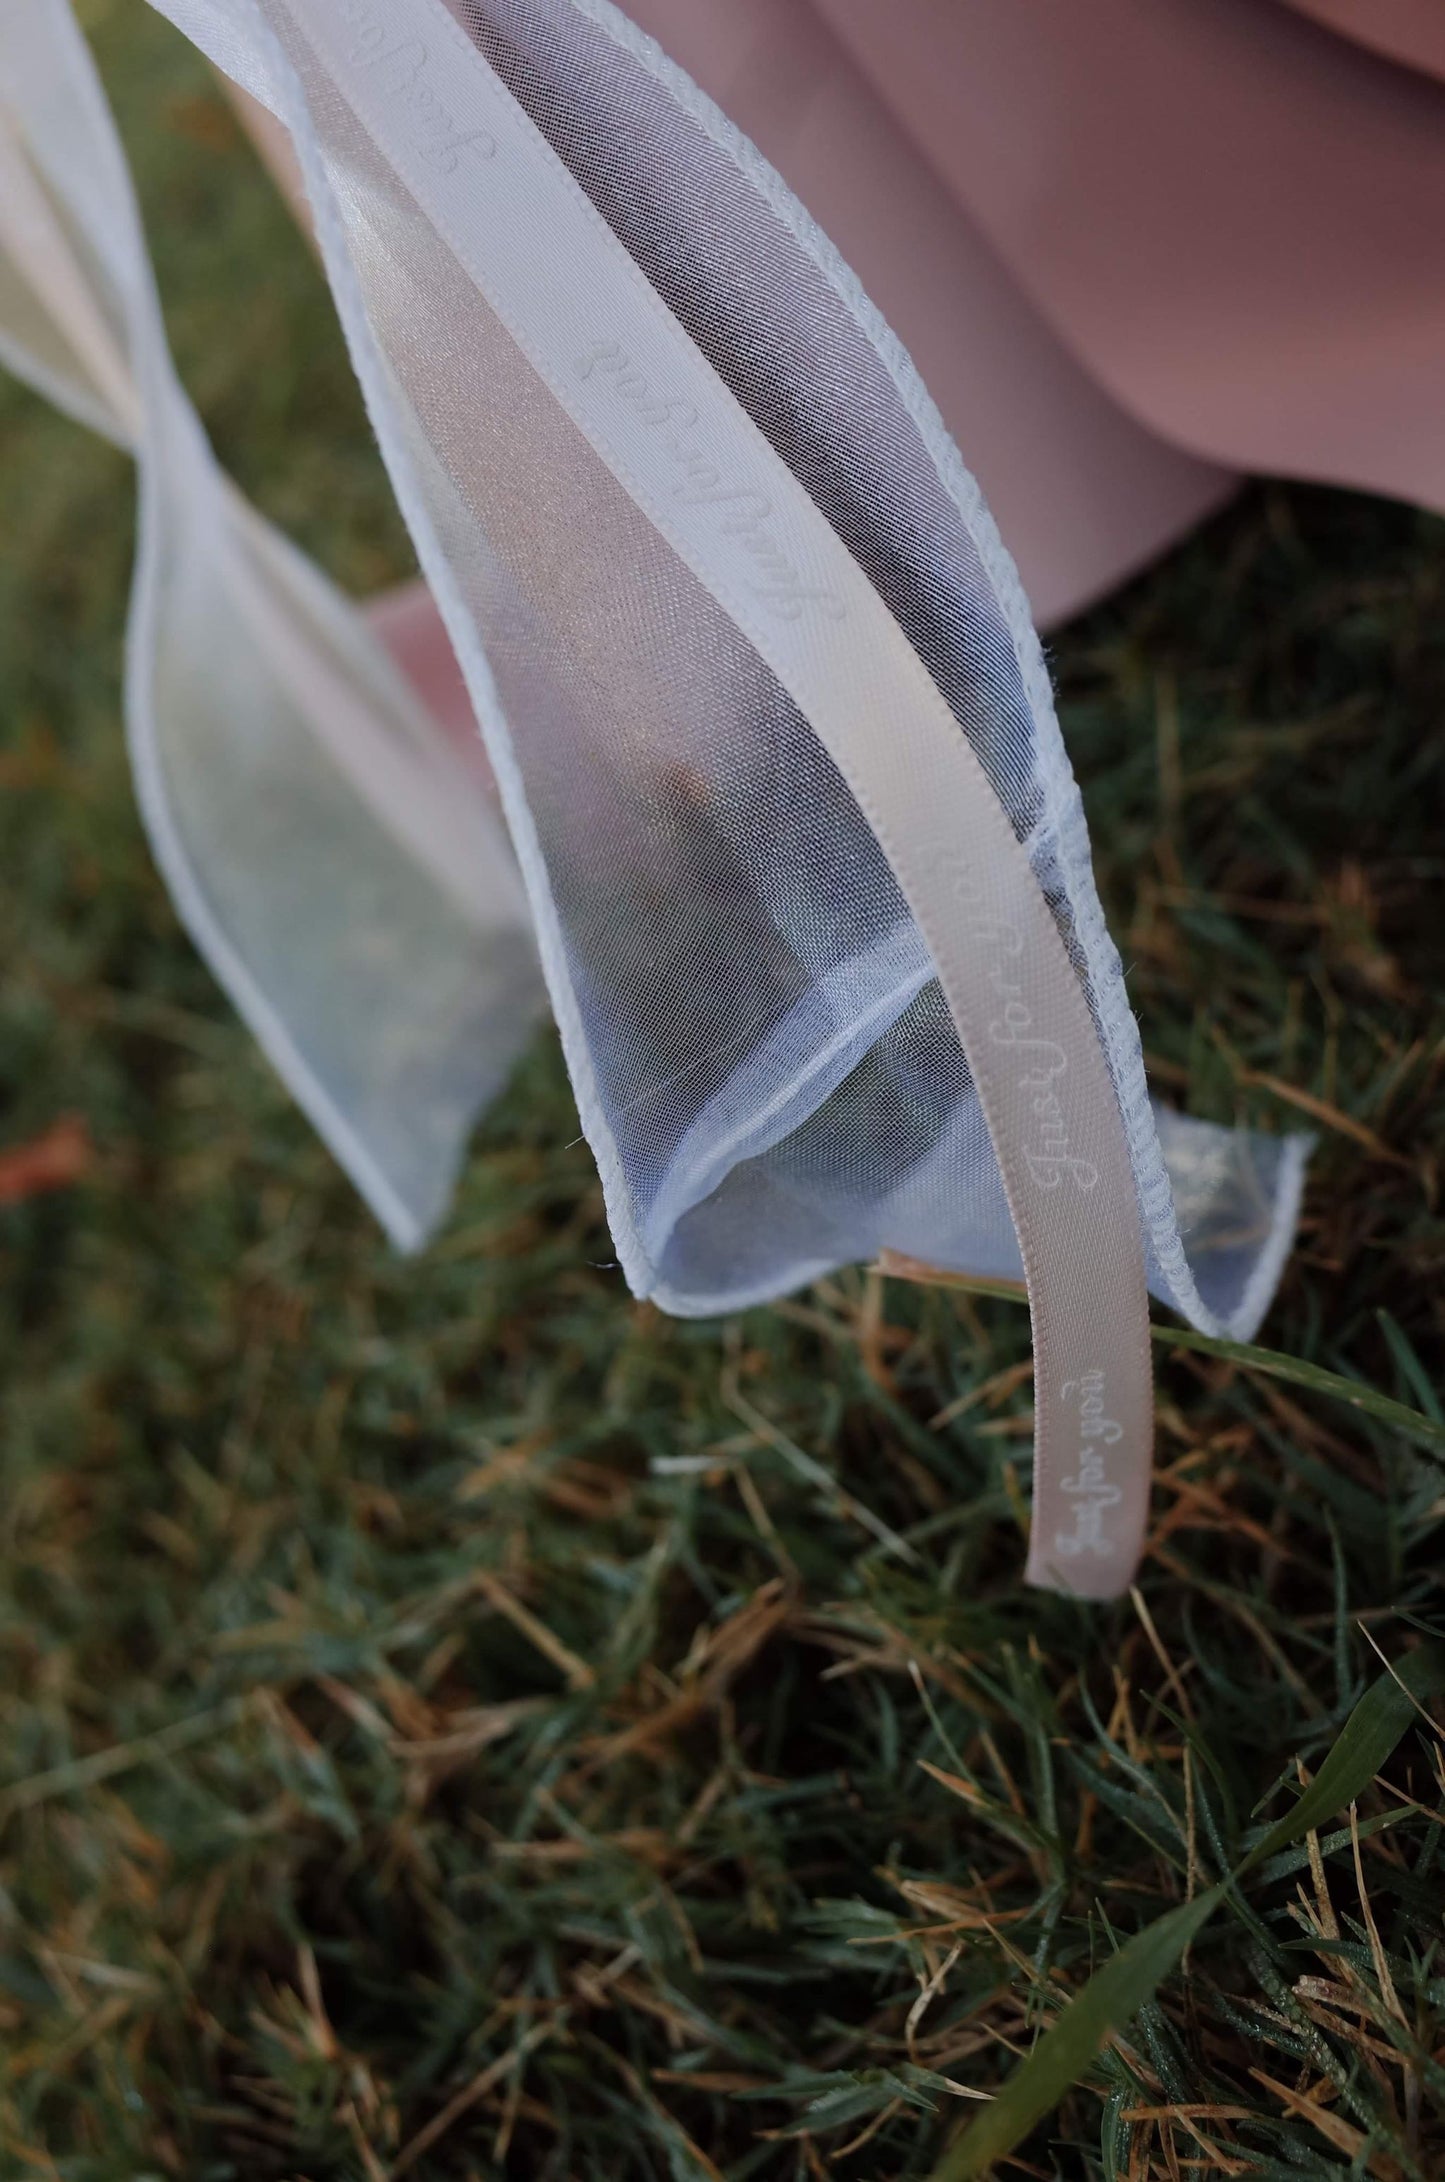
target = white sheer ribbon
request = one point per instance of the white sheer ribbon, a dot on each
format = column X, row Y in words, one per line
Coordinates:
column 698, row 581
column 333, row 857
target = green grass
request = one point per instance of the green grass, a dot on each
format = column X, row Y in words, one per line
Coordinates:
column 456, row 1723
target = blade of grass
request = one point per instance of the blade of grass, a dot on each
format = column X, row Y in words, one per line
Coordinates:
column 1115, row 1994
column 1274, row 1364
column 1411, row 1369
column 1425, row 1431
column 1359, row 1750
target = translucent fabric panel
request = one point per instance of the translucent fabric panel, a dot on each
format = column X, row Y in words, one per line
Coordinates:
column 332, row 854
column 747, row 1011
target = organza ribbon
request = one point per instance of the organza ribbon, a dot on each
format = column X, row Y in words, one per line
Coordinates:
column 685, row 451
column 341, row 867
column 330, row 852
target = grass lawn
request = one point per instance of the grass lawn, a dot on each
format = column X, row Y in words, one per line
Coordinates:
column 457, row 1723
